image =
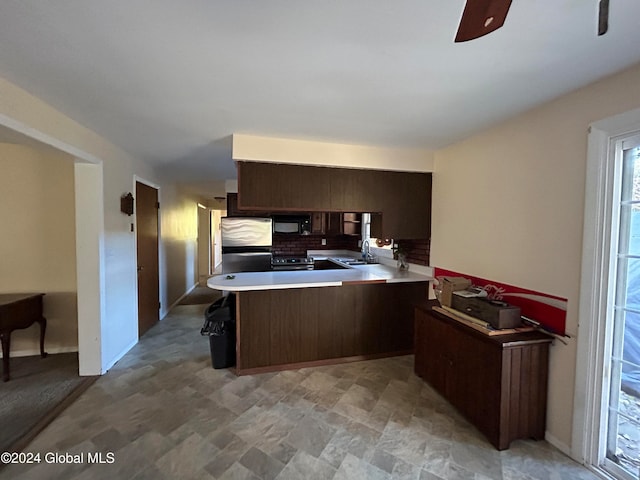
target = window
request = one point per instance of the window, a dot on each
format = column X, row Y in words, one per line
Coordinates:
column 385, row 247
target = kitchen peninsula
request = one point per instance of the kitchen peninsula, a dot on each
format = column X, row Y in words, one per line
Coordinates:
column 293, row 319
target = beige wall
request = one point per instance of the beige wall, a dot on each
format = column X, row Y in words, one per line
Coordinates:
column 283, row 150
column 178, row 251
column 508, row 206
column 37, row 246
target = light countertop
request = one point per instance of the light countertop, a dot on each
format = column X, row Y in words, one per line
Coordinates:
column 373, row 273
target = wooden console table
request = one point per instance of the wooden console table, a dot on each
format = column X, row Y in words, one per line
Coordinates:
column 19, row 310
column 499, row 383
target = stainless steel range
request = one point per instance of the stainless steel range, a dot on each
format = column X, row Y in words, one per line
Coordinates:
column 292, row 263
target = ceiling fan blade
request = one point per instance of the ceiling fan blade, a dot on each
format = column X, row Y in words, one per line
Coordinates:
column 603, row 17
column 481, row 17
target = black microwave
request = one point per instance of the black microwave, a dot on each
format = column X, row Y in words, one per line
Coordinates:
column 292, row 224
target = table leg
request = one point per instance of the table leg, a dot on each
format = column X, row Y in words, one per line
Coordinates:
column 6, row 347
column 43, row 329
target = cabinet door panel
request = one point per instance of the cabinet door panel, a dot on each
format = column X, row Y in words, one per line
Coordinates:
column 420, row 344
column 335, row 324
column 334, row 224
column 345, row 308
column 371, row 305
column 354, row 190
column 254, row 312
column 255, row 185
column 416, row 207
column 283, row 187
column 379, row 185
column 475, row 382
column 302, row 188
column 436, row 356
column 286, row 330
column 309, row 298
column 406, row 213
column 397, row 325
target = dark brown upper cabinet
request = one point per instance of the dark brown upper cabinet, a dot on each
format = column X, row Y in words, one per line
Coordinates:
column 334, row 223
column 283, row 187
column 355, row 190
column 234, row 211
column 401, row 200
column 407, row 211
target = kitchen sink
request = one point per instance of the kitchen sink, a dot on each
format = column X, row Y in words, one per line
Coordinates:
column 351, row 261
column 356, row 262
column 327, row 265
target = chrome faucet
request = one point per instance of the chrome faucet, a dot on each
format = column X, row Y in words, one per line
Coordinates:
column 366, row 251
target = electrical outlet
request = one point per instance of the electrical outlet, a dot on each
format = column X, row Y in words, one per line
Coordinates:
column 324, row 241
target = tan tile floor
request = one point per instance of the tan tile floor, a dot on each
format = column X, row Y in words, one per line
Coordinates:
column 166, row 414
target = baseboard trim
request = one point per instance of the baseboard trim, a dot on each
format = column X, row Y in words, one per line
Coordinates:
column 317, row 363
column 108, row 366
column 563, row 447
column 36, row 351
column 164, row 313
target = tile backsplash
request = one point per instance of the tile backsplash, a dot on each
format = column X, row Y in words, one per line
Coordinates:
column 418, row 251
column 297, row 245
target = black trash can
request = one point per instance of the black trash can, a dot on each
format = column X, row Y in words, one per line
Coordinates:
column 220, row 327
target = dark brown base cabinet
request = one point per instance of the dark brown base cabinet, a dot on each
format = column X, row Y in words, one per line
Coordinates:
column 292, row 328
column 499, row 383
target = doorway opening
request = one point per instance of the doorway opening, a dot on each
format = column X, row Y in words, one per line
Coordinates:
column 204, row 245
column 607, row 396
column 209, row 243
column 216, row 240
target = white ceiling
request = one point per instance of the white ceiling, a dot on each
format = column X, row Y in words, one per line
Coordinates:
column 169, row 81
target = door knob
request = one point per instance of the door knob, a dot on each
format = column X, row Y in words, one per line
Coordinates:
column 140, row 268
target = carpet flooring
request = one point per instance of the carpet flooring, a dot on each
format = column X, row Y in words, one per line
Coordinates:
column 201, row 296
column 39, row 389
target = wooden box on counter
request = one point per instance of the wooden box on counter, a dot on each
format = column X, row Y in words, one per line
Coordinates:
column 499, row 383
